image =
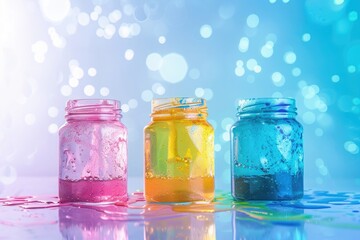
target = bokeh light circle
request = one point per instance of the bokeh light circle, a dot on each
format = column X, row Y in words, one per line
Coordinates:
column 351, row 147
column 89, row 90
column 53, row 128
column 306, row 37
column 154, row 61
column 252, row 21
column 129, row 54
column 194, row 73
column 199, row 92
column 66, row 90
column 290, row 57
column 278, row 79
column 173, row 68
column 53, row 112
column 147, row 95
column 133, row 103
column 206, row 31
column 158, row 89
column 30, row 119
column 55, row 10
column 243, row 44
column 335, row 78
column 104, row 91
column 83, row 18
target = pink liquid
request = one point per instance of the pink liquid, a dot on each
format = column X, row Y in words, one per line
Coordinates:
column 92, row 190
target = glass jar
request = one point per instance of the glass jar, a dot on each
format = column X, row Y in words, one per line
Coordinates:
column 267, row 151
column 92, row 152
column 179, row 152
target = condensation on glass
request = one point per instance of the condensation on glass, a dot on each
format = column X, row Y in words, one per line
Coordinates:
column 179, row 152
column 93, row 152
column 267, row 150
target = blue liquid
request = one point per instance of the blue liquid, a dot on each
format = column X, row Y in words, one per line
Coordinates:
column 267, row 159
column 280, row 186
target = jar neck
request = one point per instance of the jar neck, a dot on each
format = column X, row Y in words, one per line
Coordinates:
column 267, row 108
column 179, row 108
column 92, row 110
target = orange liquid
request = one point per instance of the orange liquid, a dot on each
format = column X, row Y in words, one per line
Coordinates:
column 162, row 189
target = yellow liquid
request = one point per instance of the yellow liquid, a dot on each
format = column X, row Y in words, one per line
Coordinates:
column 179, row 190
column 179, row 160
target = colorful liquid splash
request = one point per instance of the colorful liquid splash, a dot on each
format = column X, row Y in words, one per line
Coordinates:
column 339, row 210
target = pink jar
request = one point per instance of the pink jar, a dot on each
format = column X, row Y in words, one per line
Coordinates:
column 92, row 152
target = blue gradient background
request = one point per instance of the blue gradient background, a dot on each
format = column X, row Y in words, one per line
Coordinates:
column 309, row 50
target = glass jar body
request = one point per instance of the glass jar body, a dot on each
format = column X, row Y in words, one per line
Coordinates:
column 179, row 159
column 267, row 158
column 92, row 161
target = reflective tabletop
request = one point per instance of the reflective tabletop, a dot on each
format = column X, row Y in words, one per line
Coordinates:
column 30, row 210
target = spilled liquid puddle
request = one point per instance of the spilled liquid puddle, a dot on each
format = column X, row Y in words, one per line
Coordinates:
column 317, row 207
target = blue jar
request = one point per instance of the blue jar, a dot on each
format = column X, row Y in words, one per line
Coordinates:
column 267, row 151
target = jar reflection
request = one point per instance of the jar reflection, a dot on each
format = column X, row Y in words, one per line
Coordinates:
column 87, row 223
column 191, row 226
column 245, row 227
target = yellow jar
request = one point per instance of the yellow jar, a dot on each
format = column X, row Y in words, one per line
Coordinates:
column 179, row 152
